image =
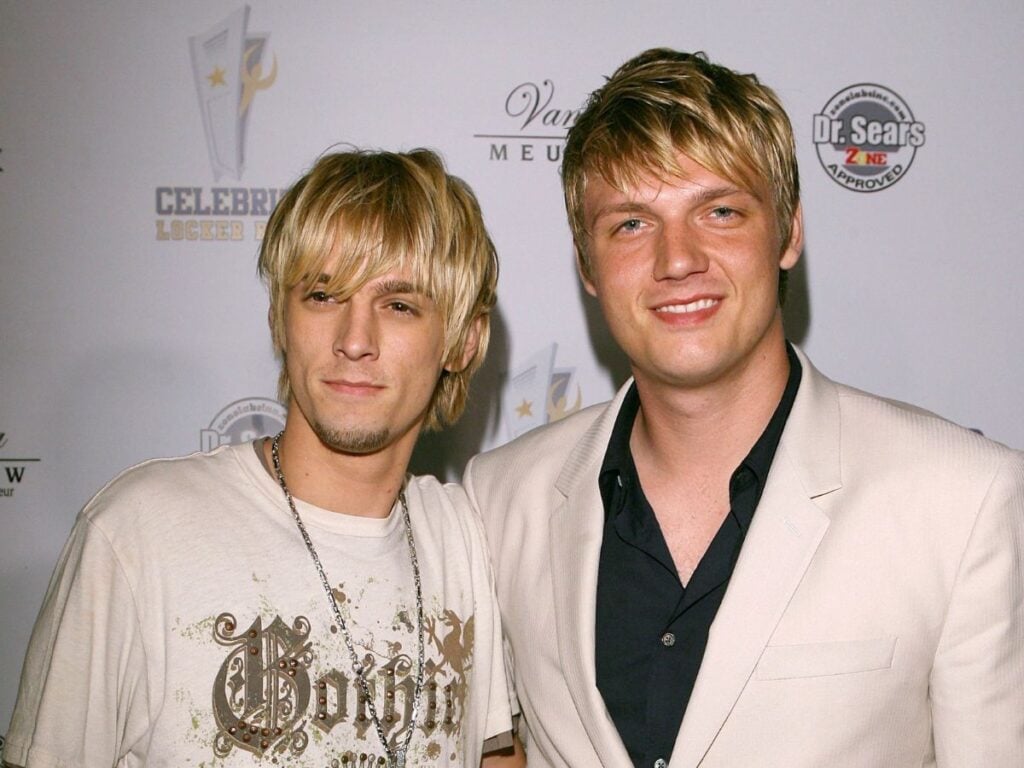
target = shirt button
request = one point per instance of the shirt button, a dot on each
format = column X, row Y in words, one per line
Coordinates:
column 741, row 480
column 668, row 640
column 660, row 763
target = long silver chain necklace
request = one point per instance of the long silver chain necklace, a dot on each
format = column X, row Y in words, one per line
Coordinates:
column 395, row 757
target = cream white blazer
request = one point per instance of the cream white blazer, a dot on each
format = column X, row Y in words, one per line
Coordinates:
column 875, row 617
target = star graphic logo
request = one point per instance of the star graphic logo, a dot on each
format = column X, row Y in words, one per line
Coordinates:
column 230, row 65
column 525, row 409
column 216, row 77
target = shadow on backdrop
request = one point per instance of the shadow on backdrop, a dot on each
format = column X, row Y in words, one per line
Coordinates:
column 796, row 312
column 445, row 453
column 606, row 351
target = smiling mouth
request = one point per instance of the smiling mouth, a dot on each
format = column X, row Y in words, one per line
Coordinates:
column 692, row 306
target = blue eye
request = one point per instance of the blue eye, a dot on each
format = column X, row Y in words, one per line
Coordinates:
column 630, row 225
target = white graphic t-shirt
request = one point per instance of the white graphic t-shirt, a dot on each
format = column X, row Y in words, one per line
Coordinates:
column 186, row 625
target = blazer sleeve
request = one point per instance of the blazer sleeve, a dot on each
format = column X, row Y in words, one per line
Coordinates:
column 977, row 680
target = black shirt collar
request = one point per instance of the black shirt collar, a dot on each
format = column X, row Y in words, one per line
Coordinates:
column 618, row 459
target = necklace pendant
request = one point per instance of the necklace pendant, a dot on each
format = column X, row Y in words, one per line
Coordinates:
column 398, row 760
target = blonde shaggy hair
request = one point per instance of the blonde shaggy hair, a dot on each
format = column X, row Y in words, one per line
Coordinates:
column 663, row 102
column 381, row 211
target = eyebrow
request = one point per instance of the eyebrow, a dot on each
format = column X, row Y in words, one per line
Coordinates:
column 394, row 285
column 702, row 196
column 713, row 193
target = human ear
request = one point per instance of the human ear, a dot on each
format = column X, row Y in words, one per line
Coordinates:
column 470, row 347
column 581, row 270
column 795, row 246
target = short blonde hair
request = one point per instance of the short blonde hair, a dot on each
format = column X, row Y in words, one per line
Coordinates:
column 663, row 102
column 381, row 211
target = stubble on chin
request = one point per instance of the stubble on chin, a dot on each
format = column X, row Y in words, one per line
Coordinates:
column 351, row 440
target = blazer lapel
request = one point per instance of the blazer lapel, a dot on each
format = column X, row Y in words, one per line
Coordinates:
column 576, row 529
column 781, row 542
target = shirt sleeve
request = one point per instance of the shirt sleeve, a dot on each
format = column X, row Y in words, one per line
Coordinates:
column 489, row 640
column 977, row 682
column 83, row 698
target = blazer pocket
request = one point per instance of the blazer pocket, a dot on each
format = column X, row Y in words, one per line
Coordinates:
column 780, row 662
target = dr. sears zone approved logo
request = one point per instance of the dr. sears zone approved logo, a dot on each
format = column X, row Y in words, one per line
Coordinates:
column 242, row 421
column 866, row 137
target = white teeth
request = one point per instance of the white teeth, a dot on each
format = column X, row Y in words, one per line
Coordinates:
column 693, row 306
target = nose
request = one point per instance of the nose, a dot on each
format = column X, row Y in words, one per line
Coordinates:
column 356, row 336
column 679, row 253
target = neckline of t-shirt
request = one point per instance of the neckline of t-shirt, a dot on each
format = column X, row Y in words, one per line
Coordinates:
column 312, row 515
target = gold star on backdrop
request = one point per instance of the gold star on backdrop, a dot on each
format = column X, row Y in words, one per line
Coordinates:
column 526, row 409
column 216, row 77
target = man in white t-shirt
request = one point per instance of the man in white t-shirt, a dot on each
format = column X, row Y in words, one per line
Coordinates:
column 300, row 600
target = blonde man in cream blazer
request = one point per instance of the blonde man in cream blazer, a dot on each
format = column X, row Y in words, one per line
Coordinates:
column 872, row 608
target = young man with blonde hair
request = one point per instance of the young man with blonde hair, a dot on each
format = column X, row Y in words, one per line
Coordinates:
column 300, row 600
column 739, row 562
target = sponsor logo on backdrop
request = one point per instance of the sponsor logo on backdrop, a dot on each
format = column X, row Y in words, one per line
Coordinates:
column 227, row 63
column 13, row 470
column 242, row 421
column 534, row 125
column 539, row 393
column 230, row 68
column 866, row 137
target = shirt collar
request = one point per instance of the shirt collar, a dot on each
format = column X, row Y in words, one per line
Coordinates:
column 618, row 458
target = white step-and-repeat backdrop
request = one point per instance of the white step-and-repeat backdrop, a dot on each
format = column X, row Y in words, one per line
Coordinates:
column 142, row 146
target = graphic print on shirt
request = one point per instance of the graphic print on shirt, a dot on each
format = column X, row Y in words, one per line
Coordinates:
column 261, row 692
column 284, row 683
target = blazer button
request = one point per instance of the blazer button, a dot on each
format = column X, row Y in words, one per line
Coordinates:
column 668, row 640
column 660, row 763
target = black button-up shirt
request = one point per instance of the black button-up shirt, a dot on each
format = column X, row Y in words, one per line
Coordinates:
column 651, row 630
